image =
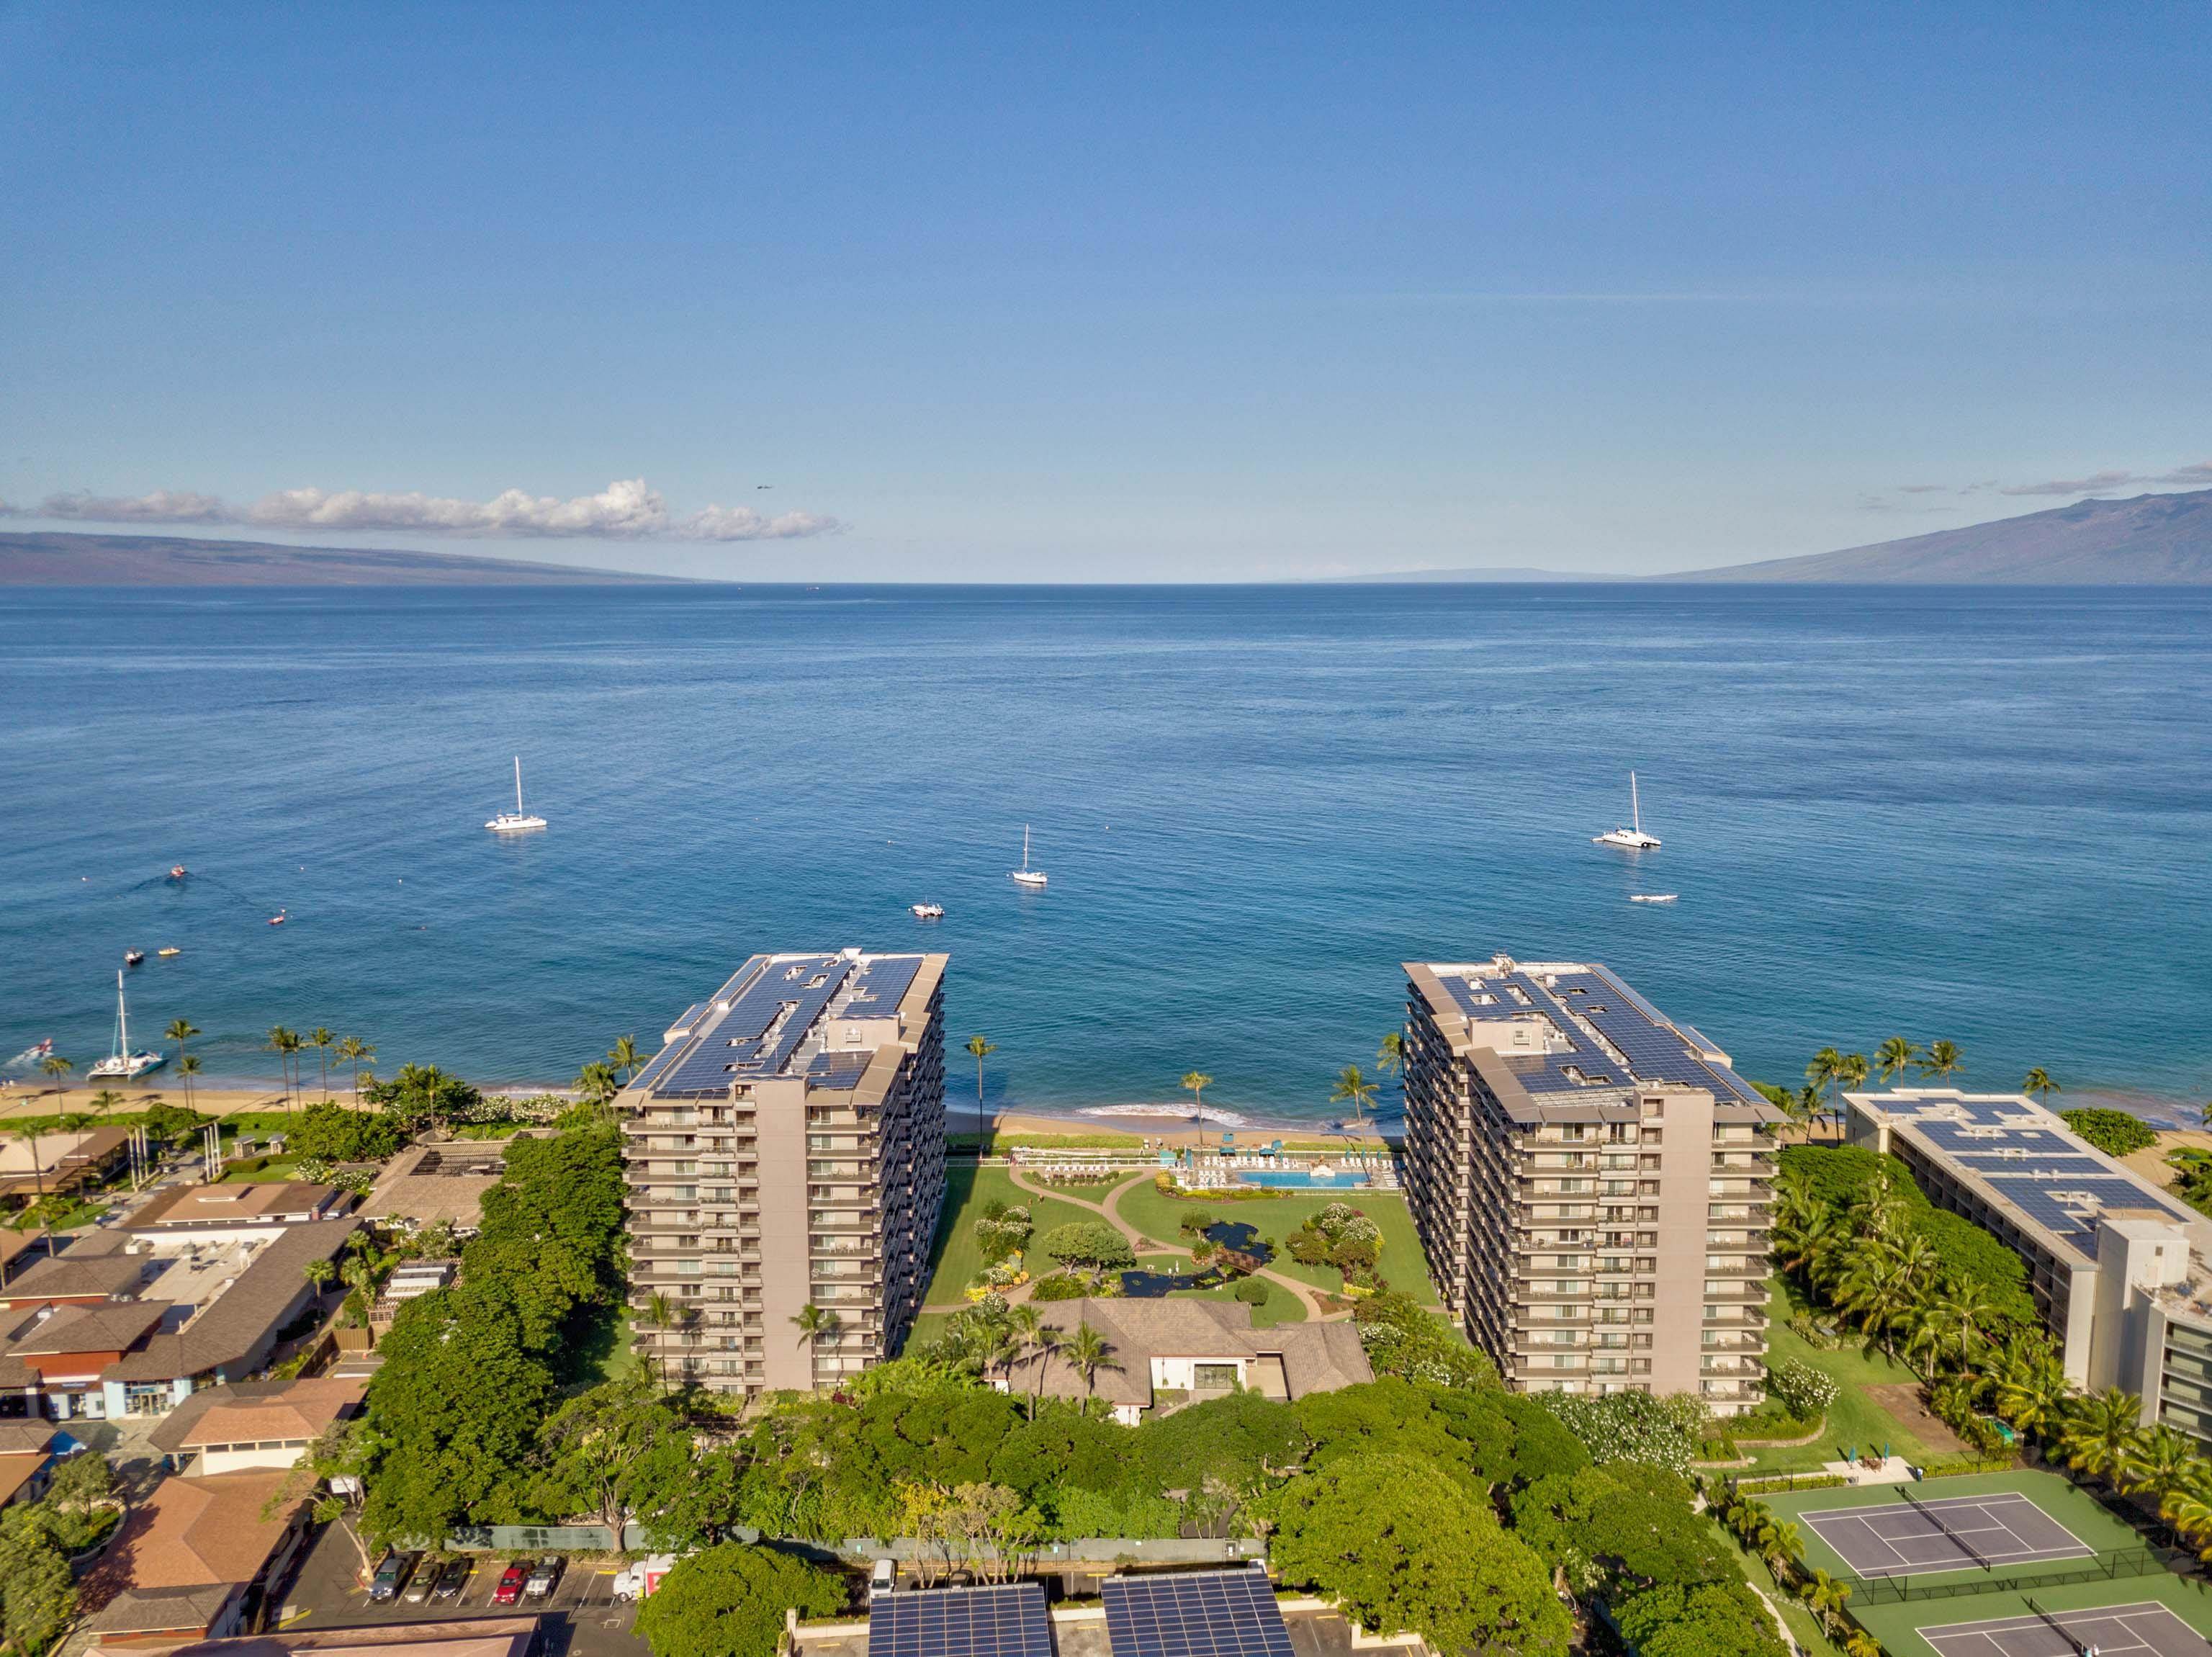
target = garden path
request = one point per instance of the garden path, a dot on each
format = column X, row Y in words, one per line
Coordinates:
column 1316, row 1313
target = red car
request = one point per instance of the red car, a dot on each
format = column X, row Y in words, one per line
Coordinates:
column 509, row 1591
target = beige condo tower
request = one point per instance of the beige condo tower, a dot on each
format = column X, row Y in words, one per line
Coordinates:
column 785, row 1150
column 1591, row 1182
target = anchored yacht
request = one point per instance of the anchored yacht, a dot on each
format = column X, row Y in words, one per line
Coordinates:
column 122, row 1062
column 517, row 821
column 1631, row 838
column 1025, row 875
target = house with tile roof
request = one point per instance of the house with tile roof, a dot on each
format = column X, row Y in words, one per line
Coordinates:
column 195, row 1560
column 250, row 1424
column 469, row 1636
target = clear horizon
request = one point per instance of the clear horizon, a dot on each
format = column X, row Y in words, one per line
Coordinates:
column 1262, row 297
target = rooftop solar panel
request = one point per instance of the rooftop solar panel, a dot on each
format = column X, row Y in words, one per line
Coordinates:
column 1007, row 1621
column 1195, row 1614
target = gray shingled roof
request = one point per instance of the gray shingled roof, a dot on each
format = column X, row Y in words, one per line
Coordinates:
column 226, row 1334
column 1316, row 1357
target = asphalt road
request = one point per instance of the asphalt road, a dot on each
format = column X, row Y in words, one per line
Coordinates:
column 581, row 1617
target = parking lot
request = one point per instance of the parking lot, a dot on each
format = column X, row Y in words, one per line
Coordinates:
column 582, row 1615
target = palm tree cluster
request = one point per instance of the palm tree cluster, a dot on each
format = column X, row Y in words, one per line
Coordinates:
column 1864, row 1262
column 290, row 1047
column 597, row 1082
column 991, row 1341
column 1776, row 1540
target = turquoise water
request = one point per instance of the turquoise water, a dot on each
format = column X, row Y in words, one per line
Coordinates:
column 1301, row 1180
column 1978, row 815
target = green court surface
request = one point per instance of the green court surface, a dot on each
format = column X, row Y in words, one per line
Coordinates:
column 2074, row 1508
column 1898, row 1626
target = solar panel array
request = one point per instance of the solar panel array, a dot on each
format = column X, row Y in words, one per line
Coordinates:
column 786, row 995
column 1195, row 1614
column 1654, row 1050
column 1008, row 1621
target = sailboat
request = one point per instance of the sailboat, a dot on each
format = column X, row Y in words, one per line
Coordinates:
column 1631, row 838
column 516, row 821
column 122, row 1062
column 1025, row 875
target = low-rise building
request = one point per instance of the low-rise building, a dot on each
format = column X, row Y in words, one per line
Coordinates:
column 29, row 1451
column 87, row 1272
column 441, row 1185
column 231, row 1213
column 245, row 1425
column 471, row 1637
column 19, row 1251
column 58, row 1163
column 195, row 1560
column 1164, row 1352
column 1591, row 1181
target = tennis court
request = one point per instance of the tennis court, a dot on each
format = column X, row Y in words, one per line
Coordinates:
column 2146, row 1629
column 1904, row 1538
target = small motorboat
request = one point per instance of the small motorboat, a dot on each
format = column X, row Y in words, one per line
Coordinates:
column 32, row 1055
column 133, row 957
column 277, row 919
column 1653, row 896
column 177, row 871
column 168, row 951
column 927, row 911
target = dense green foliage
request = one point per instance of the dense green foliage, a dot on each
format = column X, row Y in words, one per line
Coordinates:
column 2116, row 1133
column 1401, row 1545
column 330, row 1133
column 1403, row 1339
column 471, row 1371
column 421, row 1095
column 1664, row 1432
column 1091, row 1244
column 729, row 1602
column 1709, row 1619
column 37, row 1538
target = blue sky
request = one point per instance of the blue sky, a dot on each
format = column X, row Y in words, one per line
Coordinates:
column 1230, row 292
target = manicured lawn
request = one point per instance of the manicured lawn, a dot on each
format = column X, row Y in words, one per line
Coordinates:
column 1804, row 1626
column 274, row 1173
column 955, row 1258
column 1143, row 1206
column 1854, row 1418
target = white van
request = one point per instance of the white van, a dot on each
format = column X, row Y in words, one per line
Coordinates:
column 884, row 1578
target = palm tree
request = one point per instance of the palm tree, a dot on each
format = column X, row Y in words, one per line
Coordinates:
column 981, row 1048
column 625, row 1057
column 104, row 1101
column 58, row 1067
column 659, row 1314
column 2038, row 1082
column 596, row 1082
column 1852, row 1071
column 1354, row 1089
column 1942, row 1061
column 1895, row 1057
column 180, row 1030
column 2189, row 1508
column 1390, row 1056
column 319, row 1273
column 1089, row 1352
column 356, row 1052
column 1857, row 1642
column 322, row 1041
column 1195, row 1082
column 188, row 1067
column 1962, row 1313
column 2101, row 1433
column 1824, row 1595
column 284, row 1043
column 817, row 1323
column 1778, row 1544
column 1047, row 1341
column 2033, row 1390
column 1822, row 1070
column 30, row 1128
column 2160, row 1465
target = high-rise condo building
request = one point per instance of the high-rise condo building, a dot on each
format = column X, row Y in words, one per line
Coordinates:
column 785, row 1150
column 1591, row 1181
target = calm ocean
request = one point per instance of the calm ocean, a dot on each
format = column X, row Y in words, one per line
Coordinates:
column 1976, row 815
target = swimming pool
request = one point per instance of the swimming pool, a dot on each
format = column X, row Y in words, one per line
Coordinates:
column 1300, row 1179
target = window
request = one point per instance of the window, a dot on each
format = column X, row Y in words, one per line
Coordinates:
column 1204, row 1375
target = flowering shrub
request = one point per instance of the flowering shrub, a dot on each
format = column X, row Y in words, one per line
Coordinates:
column 1633, row 1426
column 1800, row 1388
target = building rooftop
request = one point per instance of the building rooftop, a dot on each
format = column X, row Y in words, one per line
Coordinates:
column 2024, row 1158
column 248, row 1203
column 440, row 1185
column 1006, row 1620
column 106, row 1326
column 1572, row 1031
column 79, row 1273
column 256, row 1411
column 186, row 1536
column 1316, row 1357
column 819, row 1017
column 475, row 1636
column 1195, row 1614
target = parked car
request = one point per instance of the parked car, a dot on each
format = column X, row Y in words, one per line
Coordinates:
column 424, row 1579
column 392, row 1575
column 544, row 1578
column 453, row 1578
column 882, row 1578
column 510, row 1583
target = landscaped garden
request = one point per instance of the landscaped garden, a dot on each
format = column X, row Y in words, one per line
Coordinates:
column 956, row 1259
column 1274, row 1217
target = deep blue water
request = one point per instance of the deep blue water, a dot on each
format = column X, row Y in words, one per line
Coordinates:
column 1979, row 814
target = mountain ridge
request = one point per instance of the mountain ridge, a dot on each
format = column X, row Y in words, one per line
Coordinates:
column 73, row 559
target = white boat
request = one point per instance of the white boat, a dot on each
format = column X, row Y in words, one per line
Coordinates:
column 122, row 1062
column 1653, row 896
column 1631, row 838
column 167, row 950
column 517, row 821
column 31, row 1055
column 1025, row 875
column 927, row 911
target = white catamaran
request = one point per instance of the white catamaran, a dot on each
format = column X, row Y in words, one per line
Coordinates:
column 122, row 1062
column 516, row 821
column 1025, row 875
column 1631, row 838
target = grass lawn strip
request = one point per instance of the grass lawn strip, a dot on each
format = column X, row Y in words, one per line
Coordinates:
column 955, row 1259
column 1804, row 1626
column 1157, row 1215
column 1854, row 1419
column 2076, row 1510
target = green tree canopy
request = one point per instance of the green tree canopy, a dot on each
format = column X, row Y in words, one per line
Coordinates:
column 1618, row 1526
column 729, row 1602
column 2116, row 1133
column 1712, row 1619
column 1089, row 1243
column 1403, row 1546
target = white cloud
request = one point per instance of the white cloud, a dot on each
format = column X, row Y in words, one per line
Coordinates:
column 2199, row 476
column 626, row 509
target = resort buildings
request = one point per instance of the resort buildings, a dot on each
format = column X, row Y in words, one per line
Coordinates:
column 785, row 1159
column 1591, row 1182
column 2116, row 1265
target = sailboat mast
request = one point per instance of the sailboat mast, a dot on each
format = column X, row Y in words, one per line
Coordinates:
column 1635, row 811
column 518, row 785
column 1026, row 848
column 122, row 1019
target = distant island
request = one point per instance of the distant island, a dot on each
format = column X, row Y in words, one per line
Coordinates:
column 63, row 559
column 2163, row 540
column 1415, row 578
